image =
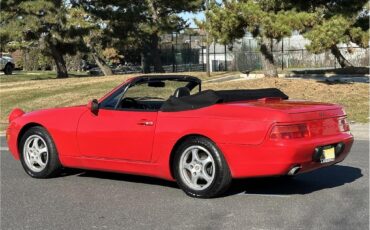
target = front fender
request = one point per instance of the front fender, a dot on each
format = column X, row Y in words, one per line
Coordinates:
column 60, row 123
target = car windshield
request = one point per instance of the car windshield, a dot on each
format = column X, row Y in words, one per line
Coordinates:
column 145, row 95
column 144, row 91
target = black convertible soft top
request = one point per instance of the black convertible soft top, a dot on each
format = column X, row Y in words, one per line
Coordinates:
column 211, row 97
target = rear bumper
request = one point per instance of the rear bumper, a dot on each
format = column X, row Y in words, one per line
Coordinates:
column 274, row 158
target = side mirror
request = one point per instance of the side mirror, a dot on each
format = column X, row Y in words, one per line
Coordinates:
column 93, row 106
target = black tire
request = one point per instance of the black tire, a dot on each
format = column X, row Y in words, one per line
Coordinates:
column 222, row 178
column 288, row 177
column 8, row 70
column 53, row 165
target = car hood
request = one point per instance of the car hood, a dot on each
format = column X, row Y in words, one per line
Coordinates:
column 52, row 114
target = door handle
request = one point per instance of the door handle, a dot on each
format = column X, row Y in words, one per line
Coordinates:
column 146, row 123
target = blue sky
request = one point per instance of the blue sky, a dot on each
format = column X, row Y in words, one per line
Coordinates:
column 191, row 16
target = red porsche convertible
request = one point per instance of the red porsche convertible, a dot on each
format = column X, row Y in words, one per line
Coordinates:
column 167, row 127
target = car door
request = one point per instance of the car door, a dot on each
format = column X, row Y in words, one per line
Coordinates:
column 117, row 134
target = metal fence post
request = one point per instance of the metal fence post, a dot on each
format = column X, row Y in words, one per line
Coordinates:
column 225, row 58
column 214, row 56
column 173, row 53
column 189, row 58
column 302, row 57
column 203, row 64
column 282, row 54
column 207, row 40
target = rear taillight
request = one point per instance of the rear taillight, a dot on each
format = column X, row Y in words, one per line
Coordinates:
column 289, row 132
column 343, row 125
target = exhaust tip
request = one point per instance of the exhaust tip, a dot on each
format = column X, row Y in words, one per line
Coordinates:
column 294, row 170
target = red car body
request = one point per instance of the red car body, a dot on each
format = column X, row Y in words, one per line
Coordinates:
column 142, row 142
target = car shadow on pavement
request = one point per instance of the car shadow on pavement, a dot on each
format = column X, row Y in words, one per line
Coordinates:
column 128, row 178
column 69, row 172
column 305, row 183
column 330, row 177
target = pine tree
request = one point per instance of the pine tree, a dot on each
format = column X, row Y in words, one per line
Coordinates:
column 264, row 19
column 139, row 24
column 49, row 24
column 340, row 22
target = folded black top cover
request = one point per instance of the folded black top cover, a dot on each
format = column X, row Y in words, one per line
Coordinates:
column 211, row 97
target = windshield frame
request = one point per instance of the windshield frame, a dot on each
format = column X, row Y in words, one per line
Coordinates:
column 193, row 82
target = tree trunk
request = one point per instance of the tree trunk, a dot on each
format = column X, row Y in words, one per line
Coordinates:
column 340, row 58
column 25, row 60
column 59, row 62
column 155, row 54
column 144, row 63
column 102, row 65
column 154, row 38
column 268, row 63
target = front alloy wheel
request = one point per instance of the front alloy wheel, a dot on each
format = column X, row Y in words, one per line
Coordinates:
column 35, row 153
column 39, row 156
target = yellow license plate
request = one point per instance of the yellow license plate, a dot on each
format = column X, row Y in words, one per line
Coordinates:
column 328, row 155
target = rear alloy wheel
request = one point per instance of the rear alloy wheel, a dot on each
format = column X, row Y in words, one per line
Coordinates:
column 39, row 157
column 200, row 168
column 197, row 167
column 8, row 70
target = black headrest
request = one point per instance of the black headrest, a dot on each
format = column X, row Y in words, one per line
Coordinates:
column 181, row 92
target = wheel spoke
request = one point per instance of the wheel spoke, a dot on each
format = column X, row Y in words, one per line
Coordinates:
column 187, row 166
column 43, row 150
column 194, row 154
column 39, row 162
column 32, row 161
column 194, row 179
column 206, row 160
column 28, row 152
column 206, row 177
column 35, row 143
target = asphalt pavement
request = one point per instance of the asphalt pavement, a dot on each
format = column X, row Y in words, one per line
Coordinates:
column 336, row 197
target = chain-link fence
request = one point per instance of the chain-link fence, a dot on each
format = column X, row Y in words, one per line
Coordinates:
column 290, row 53
column 181, row 52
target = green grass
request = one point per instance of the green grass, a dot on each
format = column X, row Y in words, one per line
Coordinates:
column 35, row 75
column 28, row 92
column 18, row 76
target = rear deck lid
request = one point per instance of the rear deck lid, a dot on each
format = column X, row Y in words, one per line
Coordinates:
column 300, row 110
column 322, row 119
